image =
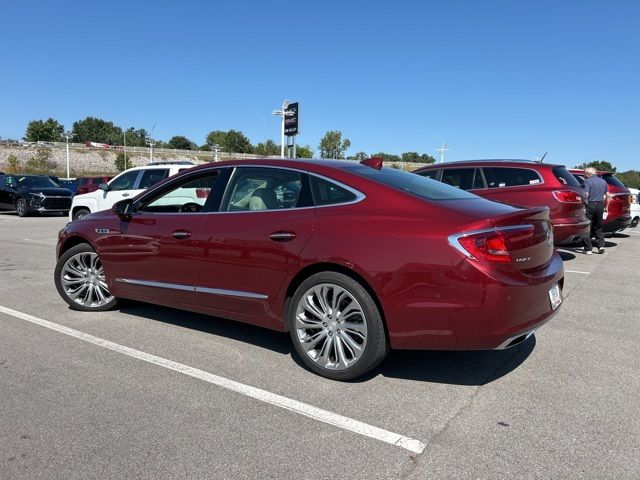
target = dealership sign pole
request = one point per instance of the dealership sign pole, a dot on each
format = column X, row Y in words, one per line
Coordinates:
column 290, row 122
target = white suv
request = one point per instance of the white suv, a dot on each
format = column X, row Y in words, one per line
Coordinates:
column 635, row 207
column 128, row 184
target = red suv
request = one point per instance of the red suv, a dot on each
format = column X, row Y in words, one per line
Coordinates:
column 90, row 184
column 522, row 183
column 351, row 259
column 618, row 214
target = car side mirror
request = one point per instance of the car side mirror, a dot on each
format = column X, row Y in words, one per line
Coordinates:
column 123, row 209
column 104, row 187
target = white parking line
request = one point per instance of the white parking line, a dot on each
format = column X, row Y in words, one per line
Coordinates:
column 310, row 411
column 578, row 271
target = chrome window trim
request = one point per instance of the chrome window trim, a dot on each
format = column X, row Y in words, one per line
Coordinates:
column 192, row 288
column 455, row 243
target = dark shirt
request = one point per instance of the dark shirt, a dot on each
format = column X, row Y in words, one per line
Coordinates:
column 596, row 188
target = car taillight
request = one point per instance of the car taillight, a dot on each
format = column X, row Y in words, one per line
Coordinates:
column 496, row 244
column 567, row 196
column 202, row 192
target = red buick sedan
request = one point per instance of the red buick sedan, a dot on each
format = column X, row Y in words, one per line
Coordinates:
column 350, row 258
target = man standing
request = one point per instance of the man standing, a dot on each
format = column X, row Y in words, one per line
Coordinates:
column 595, row 189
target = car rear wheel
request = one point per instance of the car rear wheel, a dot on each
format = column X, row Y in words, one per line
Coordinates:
column 336, row 326
column 81, row 282
column 81, row 213
column 22, row 208
column 634, row 222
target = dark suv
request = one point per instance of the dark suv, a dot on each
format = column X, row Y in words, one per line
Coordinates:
column 90, row 184
column 33, row 193
column 522, row 183
column 618, row 214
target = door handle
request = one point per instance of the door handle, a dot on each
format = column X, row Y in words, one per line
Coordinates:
column 282, row 236
column 181, row 234
column 125, row 194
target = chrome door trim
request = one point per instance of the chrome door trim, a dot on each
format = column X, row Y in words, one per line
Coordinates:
column 192, row 288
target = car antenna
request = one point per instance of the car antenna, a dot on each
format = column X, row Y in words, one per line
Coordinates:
column 542, row 159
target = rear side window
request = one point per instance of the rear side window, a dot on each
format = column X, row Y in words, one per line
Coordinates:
column 611, row 180
column 565, row 177
column 498, row 177
column 412, row 183
column 432, row 174
column 328, row 193
column 458, row 177
column 152, row 176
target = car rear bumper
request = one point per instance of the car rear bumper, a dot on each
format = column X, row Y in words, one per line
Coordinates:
column 567, row 233
column 477, row 311
column 616, row 224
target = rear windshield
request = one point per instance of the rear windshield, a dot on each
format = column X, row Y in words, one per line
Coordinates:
column 611, row 180
column 412, row 183
column 565, row 177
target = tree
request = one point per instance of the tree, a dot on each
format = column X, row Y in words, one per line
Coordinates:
column 13, row 164
column 268, row 147
column 630, row 178
column 232, row 141
column 97, row 130
column 426, row 158
column 181, row 143
column 136, row 138
column 304, row 151
column 119, row 162
column 333, row 146
column 41, row 162
column 358, row 156
column 49, row 130
column 599, row 165
column 387, row 157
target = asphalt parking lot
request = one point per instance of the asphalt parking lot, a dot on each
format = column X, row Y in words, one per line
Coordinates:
column 149, row 392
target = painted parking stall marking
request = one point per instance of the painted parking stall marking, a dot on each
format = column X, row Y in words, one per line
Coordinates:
column 295, row 406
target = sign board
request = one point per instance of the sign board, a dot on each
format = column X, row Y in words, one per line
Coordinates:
column 291, row 120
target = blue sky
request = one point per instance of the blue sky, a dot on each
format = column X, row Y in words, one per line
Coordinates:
column 495, row 79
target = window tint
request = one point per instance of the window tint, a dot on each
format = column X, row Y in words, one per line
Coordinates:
column 124, row 181
column 510, row 177
column 430, row 173
column 611, row 180
column 565, row 177
column 328, row 193
column 458, row 177
column 152, row 176
column 189, row 196
column 579, row 178
column 262, row 189
column 411, row 183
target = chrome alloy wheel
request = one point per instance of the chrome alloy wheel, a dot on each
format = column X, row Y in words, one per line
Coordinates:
column 83, row 280
column 331, row 326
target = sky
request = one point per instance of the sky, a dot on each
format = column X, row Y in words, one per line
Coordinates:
column 494, row 79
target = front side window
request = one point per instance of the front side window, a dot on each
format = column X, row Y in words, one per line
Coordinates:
column 498, row 177
column 458, row 177
column 152, row 176
column 126, row 181
column 254, row 189
column 188, row 196
column 328, row 193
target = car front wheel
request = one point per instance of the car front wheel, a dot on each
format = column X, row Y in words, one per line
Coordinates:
column 22, row 208
column 81, row 213
column 336, row 326
column 81, row 282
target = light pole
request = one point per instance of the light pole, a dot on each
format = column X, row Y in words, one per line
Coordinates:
column 124, row 147
column 151, row 143
column 215, row 148
column 282, row 113
column 442, row 149
column 68, row 135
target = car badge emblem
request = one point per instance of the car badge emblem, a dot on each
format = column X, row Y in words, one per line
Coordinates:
column 102, row 231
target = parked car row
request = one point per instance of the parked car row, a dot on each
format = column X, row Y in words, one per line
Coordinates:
column 351, row 259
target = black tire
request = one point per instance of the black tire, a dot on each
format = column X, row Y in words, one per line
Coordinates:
column 375, row 346
column 634, row 222
column 81, row 213
column 22, row 208
column 82, row 248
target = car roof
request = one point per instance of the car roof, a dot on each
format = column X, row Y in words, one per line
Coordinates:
column 493, row 162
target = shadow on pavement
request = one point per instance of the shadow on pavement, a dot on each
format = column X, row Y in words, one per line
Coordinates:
column 566, row 255
column 450, row 367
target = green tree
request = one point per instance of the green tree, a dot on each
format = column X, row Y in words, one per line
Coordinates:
column 410, row 157
column 120, row 162
column 599, row 165
column 630, row 178
column 268, row 147
column 388, row 157
column 359, row 156
column 13, row 164
column 232, row 141
column 304, row 151
column 97, row 130
column 49, row 130
column 426, row 158
column 181, row 143
column 136, row 137
column 41, row 162
column 333, row 146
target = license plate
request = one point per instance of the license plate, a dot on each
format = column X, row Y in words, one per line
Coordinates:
column 555, row 296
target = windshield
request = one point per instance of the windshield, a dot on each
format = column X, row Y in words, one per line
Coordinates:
column 416, row 184
column 37, row 182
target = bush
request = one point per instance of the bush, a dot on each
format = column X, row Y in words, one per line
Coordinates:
column 13, row 164
column 41, row 162
column 120, row 162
